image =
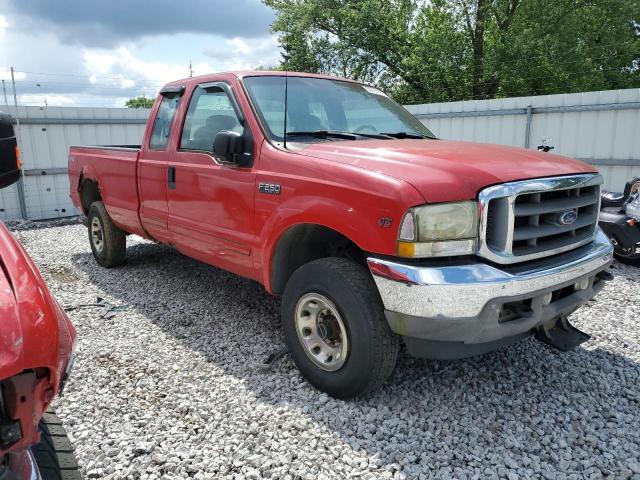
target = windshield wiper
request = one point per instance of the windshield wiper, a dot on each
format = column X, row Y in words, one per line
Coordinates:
column 405, row 135
column 372, row 135
column 324, row 134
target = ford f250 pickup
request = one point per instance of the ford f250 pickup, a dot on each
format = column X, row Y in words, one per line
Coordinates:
column 371, row 229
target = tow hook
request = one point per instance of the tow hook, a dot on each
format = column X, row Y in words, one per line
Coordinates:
column 561, row 335
column 605, row 275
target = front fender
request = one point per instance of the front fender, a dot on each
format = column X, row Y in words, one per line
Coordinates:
column 364, row 206
column 357, row 221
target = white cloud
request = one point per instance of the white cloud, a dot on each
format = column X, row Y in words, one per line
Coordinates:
column 107, row 24
column 240, row 44
column 98, row 62
column 84, row 75
column 123, row 68
column 246, row 54
column 5, row 74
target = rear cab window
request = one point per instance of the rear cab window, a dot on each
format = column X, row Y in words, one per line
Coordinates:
column 163, row 121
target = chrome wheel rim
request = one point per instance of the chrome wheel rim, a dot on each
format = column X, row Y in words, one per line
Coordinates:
column 96, row 235
column 321, row 331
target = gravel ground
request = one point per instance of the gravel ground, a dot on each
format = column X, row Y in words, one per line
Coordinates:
column 166, row 386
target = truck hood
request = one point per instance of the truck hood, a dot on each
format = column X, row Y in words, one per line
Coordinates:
column 444, row 170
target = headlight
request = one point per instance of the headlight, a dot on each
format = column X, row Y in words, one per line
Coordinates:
column 438, row 230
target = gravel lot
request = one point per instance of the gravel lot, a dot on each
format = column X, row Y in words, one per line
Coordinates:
column 166, row 386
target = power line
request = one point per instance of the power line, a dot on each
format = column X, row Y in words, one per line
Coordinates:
column 84, row 75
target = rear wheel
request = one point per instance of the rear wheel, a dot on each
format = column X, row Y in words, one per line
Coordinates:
column 54, row 454
column 108, row 242
column 335, row 328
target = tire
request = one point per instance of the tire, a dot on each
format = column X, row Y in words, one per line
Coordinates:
column 628, row 259
column 54, row 453
column 372, row 348
column 108, row 242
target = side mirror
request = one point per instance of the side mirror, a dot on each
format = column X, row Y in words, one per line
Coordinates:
column 9, row 153
column 234, row 147
column 227, row 144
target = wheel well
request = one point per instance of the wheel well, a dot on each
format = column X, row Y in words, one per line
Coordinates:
column 89, row 193
column 304, row 243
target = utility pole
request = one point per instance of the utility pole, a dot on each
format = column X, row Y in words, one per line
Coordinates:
column 190, row 69
column 4, row 89
column 23, row 205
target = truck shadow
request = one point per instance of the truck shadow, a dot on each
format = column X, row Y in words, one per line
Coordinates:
column 628, row 272
column 509, row 400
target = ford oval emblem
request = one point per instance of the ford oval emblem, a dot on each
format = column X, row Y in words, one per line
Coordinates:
column 568, row 218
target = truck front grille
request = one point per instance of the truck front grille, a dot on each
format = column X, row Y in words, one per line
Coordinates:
column 536, row 218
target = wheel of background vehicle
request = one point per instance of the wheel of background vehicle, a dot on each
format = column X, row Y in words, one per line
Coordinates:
column 622, row 255
column 54, row 454
column 629, row 259
column 335, row 328
column 108, row 242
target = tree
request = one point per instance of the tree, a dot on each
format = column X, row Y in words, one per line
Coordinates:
column 139, row 102
column 443, row 50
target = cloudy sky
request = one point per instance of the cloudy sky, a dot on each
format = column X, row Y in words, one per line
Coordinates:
column 84, row 53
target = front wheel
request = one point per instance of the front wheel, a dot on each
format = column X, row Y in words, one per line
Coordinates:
column 54, row 454
column 335, row 328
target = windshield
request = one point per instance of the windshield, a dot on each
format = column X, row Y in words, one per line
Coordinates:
column 317, row 107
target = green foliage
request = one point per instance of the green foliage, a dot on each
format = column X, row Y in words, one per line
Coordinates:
column 139, row 102
column 445, row 50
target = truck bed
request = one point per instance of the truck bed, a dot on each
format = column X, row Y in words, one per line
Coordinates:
column 116, row 167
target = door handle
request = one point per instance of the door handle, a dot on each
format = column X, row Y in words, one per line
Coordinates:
column 171, row 177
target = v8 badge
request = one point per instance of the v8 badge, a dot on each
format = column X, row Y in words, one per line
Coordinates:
column 385, row 222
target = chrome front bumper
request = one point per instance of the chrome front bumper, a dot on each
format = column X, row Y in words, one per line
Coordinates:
column 463, row 302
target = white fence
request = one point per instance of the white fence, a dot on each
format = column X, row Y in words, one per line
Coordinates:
column 44, row 136
column 602, row 128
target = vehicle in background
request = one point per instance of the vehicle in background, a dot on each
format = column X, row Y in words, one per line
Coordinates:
column 373, row 231
column 36, row 354
column 620, row 220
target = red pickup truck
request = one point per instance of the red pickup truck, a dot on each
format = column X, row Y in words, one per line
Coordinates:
column 373, row 231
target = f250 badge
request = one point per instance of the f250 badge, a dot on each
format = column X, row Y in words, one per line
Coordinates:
column 269, row 188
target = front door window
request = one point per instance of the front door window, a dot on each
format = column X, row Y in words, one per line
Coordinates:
column 210, row 112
